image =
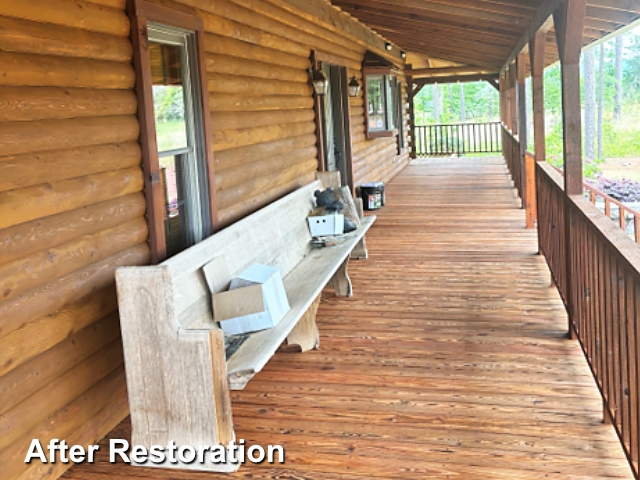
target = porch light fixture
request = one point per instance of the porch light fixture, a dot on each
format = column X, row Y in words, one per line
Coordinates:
column 388, row 46
column 320, row 82
column 403, row 55
column 354, row 87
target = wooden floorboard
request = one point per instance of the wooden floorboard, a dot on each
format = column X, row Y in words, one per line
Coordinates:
column 450, row 361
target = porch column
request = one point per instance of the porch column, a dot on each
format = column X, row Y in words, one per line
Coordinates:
column 413, row 146
column 513, row 114
column 536, row 59
column 569, row 24
column 536, row 54
column 521, row 72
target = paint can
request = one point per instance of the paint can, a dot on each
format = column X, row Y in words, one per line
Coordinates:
column 373, row 195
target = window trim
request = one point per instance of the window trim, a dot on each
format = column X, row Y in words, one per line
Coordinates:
column 141, row 12
column 385, row 72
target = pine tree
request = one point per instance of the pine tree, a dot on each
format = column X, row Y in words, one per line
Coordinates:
column 589, row 103
column 617, row 112
column 600, row 99
column 463, row 113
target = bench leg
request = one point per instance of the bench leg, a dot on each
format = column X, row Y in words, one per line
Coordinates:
column 341, row 282
column 305, row 334
column 360, row 250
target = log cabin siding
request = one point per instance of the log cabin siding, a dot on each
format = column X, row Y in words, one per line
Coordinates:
column 71, row 185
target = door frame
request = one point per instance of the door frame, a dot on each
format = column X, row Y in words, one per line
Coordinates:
column 318, row 58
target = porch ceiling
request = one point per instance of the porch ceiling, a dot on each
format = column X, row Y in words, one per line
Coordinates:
column 477, row 32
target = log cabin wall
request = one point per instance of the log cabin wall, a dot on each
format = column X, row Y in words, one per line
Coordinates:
column 71, row 203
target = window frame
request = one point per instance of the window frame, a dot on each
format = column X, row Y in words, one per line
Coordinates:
column 385, row 73
column 141, row 13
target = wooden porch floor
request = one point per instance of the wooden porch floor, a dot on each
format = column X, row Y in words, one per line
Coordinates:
column 449, row 362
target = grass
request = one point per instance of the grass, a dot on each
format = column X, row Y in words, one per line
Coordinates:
column 171, row 135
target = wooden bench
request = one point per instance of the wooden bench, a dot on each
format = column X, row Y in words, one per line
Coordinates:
column 178, row 376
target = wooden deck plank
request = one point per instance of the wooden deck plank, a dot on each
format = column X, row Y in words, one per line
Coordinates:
column 450, row 361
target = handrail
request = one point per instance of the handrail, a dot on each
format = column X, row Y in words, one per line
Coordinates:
column 596, row 268
column 594, row 194
column 457, row 138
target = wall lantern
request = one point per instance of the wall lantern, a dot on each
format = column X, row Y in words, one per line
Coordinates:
column 354, row 87
column 320, row 82
column 388, row 46
column 403, row 55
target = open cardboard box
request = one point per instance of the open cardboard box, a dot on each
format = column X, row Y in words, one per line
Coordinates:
column 255, row 300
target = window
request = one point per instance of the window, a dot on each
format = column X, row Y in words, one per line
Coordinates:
column 381, row 97
column 174, row 123
column 179, row 136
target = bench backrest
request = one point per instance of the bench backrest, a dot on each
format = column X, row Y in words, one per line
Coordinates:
column 276, row 235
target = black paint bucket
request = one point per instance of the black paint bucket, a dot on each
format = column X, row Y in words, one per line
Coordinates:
column 372, row 195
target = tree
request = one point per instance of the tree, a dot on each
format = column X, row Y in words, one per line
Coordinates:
column 600, row 99
column 617, row 112
column 589, row 103
column 436, row 102
column 463, row 113
column 451, row 99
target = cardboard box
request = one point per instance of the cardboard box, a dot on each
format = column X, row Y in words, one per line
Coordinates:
column 256, row 300
column 322, row 224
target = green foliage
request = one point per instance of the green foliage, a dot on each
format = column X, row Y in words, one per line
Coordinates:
column 481, row 100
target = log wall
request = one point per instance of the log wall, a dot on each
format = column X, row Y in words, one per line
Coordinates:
column 71, row 201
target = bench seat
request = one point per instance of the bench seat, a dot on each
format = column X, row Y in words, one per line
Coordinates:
column 303, row 284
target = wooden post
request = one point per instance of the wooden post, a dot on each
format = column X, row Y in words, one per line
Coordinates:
column 536, row 53
column 412, row 118
column 521, row 71
column 569, row 25
column 513, row 114
column 536, row 56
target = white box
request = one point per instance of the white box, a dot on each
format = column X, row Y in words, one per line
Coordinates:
column 256, row 300
column 324, row 224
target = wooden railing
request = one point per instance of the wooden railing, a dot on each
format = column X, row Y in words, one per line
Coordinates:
column 511, row 152
column 599, row 281
column 457, row 139
column 628, row 219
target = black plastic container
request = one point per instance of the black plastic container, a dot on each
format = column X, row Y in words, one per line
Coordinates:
column 373, row 196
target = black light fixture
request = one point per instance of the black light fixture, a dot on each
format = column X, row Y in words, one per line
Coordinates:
column 403, row 54
column 320, row 82
column 388, row 46
column 354, row 87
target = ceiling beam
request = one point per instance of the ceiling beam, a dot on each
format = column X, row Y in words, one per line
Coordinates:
column 540, row 19
column 456, row 79
column 449, row 71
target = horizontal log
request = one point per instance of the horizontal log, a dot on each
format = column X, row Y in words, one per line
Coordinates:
column 332, row 58
column 25, row 204
column 356, row 112
column 118, row 4
column 46, row 332
column 244, row 120
column 240, row 156
column 238, row 211
column 99, row 409
column 17, row 312
column 55, row 103
column 20, row 171
column 23, row 36
column 28, row 137
column 369, row 146
column 256, row 186
column 376, row 164
column 245, row 33
column 22, row 382
column 255, row 86
column 220, row 45
column 248, row 14
column 42, row 267
column 242, row 103
column 52, row 397
column 22, row 70
column 89, row 433
column 77, row 14
column 231, row 139
column 228, row 65
column 262, row 168
column 31, row 237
